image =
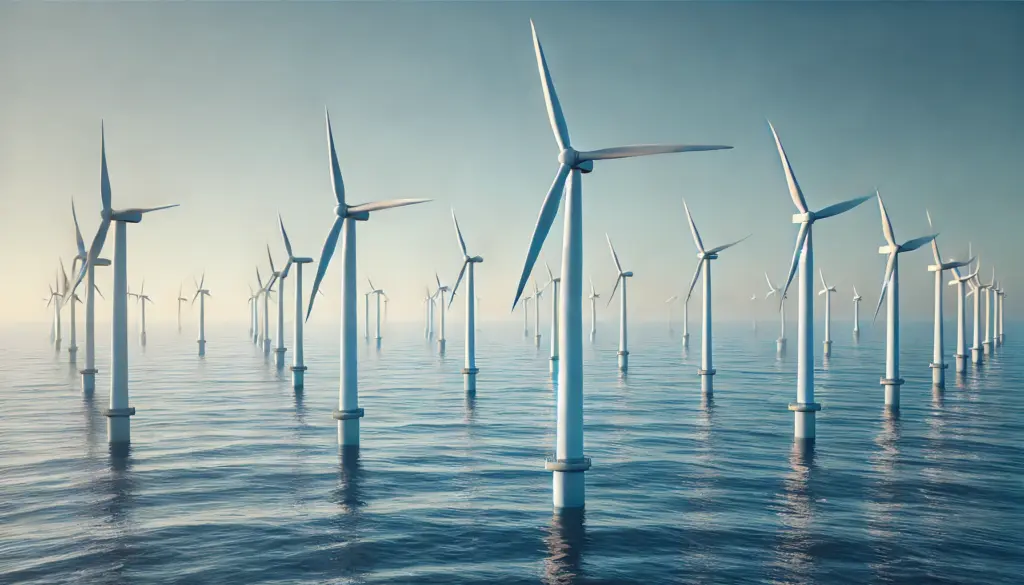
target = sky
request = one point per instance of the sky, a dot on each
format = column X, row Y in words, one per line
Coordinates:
column 220, row 107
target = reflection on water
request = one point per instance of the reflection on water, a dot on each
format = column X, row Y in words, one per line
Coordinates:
column 116, row 497
column 300, row 408
column 796, row 512
column 348, row 496
column 350, row 555
column 469, row 412
column 565, row 543
column 884, row 506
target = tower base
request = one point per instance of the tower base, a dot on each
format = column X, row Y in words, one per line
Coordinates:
column 279, row 356
column 469, row 379
column 892, row 392
column 707, row 387
column 568, row 486
column 348, row 426
column 118, row 424
column 780, row 345
column 266, row 346
column 88, row 381
column 977, row 356
column 298, row 377
column 961, row 363
column 553, row 365
column 536, row 340
column 938, row 374
column 987, row 346
column 202, row 347
column 804, row 419
column 440, row 345
column 623, row 360
column 686, row 340
column 142, row 338
column 827, row 351
column 73, row 354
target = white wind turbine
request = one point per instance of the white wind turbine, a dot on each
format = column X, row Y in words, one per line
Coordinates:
column 142, row 298
column 827, row 291
column 780, row 343
column 57, row 300
column 258, row 333
column 378, row 292
column 182, row 299
column 348, row 413
column 526, row 316
column 856, row 314
column 441, row 289
column 266, row 291
column 977, row 352
column 553, row 282
column 201, row 294
column 753, row 299
column 298, row 368
column 593, row 311
column 537, row 294
column 280, row 350
column 89, row 372
column 620, row 276
column 569, row 461
column 999, row 324
column 470, row 370
column 428, row 302
column 804, row 408
column 938, row 365
column 704, row 258
column 891, row 283
column 670, row 302
column 118, row 424
column 686, row 320
column 366, row 313
column 989, row 290
column 961, row 282
column 68, row 296
column 252, row 314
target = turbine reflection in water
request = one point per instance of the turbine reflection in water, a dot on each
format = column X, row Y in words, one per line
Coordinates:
column 796, row 511
column 884, row 505
column 566, row 540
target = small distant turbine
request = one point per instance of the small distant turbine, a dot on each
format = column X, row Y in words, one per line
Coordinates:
column 553, row 282
column 620, row 277
column 142, row 298
column 378, row 293
column 182, row 299
column 67, row 296
column 753, row 299
column 266, row 291
column 252, row 314
column 89, row 372
column 278, row 277
column 937, row 364
column 57, row 301
column 670, row 303
column 827, row 291
column 891, row 283
column 537, row 294
column 593, row 311
column 1002, row 295
column 526, row 316
column 428, row 303
column 856, row 314
column 960, row 282
column 780, row 343
column 258, row 333
column 989, row 306
column 298, row 368
column 470, row 370
column 441, row 289
column 201, row 294
column 704, row 258
column 977, row 351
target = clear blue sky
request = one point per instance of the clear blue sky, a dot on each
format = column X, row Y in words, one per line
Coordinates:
column 220, row 106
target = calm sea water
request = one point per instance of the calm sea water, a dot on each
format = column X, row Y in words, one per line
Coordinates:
column 234, row 478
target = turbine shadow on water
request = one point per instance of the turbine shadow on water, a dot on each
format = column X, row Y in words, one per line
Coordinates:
column 566, row 541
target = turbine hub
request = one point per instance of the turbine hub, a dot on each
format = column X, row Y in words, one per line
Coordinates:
column 804, row 217
column 571, row 158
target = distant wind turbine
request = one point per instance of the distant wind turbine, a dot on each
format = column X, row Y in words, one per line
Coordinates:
column 56, row 300
column 989, row 291
column 470, row 370
column 182, row 299
column 938, row 365
column 553, row 282
column 753, row 299
column 827, row 291
column 960, row 282
column 537, row 294
column 780, row 343
column 89, row 267
column 142, row 298
column 68, row 296
column 977, row 351
column 298, row 368
column 620, row 277
column 670, row 303
column 526, row 316
column 593, row 311
column 856, row 314
column 280, row 350
column 378, row 293
column 201, row 294
column 441, row 290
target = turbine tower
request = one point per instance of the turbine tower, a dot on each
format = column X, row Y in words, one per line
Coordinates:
column 89, row 267
column 267, row 290
column 686, row 321
column 1002, row 335
column 378, row 293
column 470, row 370
column 526, row 316
column 57, row 300
column 298, row 368
column 780, row 343
column 537, row 294
column 856, row 314
column 441, row 289
column 348, row 413
column 142, row 298
column 621, row 276
column 553, row 282
column 118, row 421
column 569, row 462
column 182, row 299
column 593, row 311
column 989, row 289
column 805, row 407
column 280, row 350
column 68, row 296
column 670, row 302
column 704, row 258
column 753, row 298
column 201, row 294
column 892, row 381
column 252, row 314
column 827, row 291
column 961, row 318
column 938, row 365
column 428, row 303
column 977, row 353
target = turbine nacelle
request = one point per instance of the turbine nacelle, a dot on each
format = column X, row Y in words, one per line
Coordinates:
column 808, row 217
column 571, row 158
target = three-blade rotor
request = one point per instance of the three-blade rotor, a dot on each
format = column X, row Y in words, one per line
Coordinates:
column 893, row 249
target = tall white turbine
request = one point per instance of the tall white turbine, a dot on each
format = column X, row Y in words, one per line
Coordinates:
column 856, row 314
column 348, row 413
column 961, row 282
column 298, row 368
column 201, row 294
column 620, row 277
column 554, row 282
column 891, row 283
column 182, row 299
column 1002, row 335
column 118, row 422
column 686, row 321
column 827, row 291
column 252, row 314
column 569, row 461
column 704, row 258
column 938, row 365
column 142, row 298
column 280, row 350
column 780, row 343
column 91, row 289
column 805, row 407
column 428, row 304
column 470, row 370
column 441, row 290
column 267, row 292
column 593, row 311
column 977, row 352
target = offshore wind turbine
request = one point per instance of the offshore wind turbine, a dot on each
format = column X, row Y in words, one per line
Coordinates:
column 252, row 314
column 827, row 291
column 856, row 314
column 704, row 258
column 182, row 299
column 142, row 298
column 891, row 283
column 56, row 300
column 91, row 289
column 298, row 368
column 428, row 302
column 938, row 365
column 553, row 282
column 348, row 413
column 569, row 462
column 753, row 299
column 686, row 321
column 805, row 407
column 469, row 371
column 441, row 289
column 621, row 276
column 989, row 288
column 261, row 293
column 201, row 294
column 669, row 302
column 267, row 291
column 537, row 294
column 780, row 343
column 378, row 293
column 977, row 353
column 280, row 350
column 593, row 310
column 68, row 296
column 999, row 323
column 526, row 316
column 118, row 422
column 960, row 282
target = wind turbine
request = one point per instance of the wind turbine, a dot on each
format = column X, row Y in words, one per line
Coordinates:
column 526, row 316
column 753, row 299
column 298, row 368
column 201, row 294
column 1002, row 295
column 780, row 343
column 960, row 282
column 142, row 298
column 470, row 370
column 89, row 266
column 118, row 421
column 553, row 282
column 569, row 461
column 827, row 291
column 441, row 289
column 267, row 291
column 57, row 300
column 182, row 299
column 669, row 302
column 891, row 281
column 348, row 413
column 977, row 352
column 621, row 276
column 856, row 314
column 252, row 314
column 804, row 408
column 704, row 258
column 428, row 302
column 278, row 277
column 989, row 289
column 937, row 364
column 260, row 332
column 686, row 321
column 537, row 294
column 593, row 311
column 379, row 293
column 68, row 296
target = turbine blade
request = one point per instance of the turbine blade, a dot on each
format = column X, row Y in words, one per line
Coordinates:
column 693, row 281
column 592, row 286
column 693, row 228
column 149, row 209
column 337, row 183
column 287, row 242
column 380, row 205
column 822, row 275
column 325, row 259
column 78, row 234
column 727, row 246
column 886, row 224
column 771, row 286
column 462, row 271
column 916, row 243
column 838, row 208
column 935, row 243
column 794, row 186
column 202, row 280
column 195, row 297
column 555, row 116
column 614, row 288
column 104, row 176
column 615, row 256
column 548, row 211
column 551, row 277
column 96, row 286
column 271, row 258
column 646, row 150
column 801, row 236
column 458, row 232
column 889, row 265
